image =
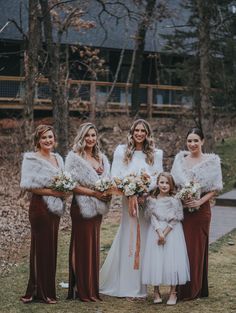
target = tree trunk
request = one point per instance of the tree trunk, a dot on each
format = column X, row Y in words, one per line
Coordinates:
column 139, row 50
column 206, row 110
column 31, row 71
column 56, row 82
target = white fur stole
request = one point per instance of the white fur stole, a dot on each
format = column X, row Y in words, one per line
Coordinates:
column 82, row 172
column 165, row 209
column 38, row 173
column 207, row 172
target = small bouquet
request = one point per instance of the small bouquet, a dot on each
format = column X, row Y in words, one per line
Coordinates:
column 104, row 184
column 133, row 184
column 63, row 182
column 191, row 190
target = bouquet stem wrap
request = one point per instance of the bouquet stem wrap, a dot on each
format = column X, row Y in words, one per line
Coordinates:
column 134, row 222
column 137, row 247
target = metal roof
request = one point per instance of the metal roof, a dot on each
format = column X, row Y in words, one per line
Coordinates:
column 119, row 33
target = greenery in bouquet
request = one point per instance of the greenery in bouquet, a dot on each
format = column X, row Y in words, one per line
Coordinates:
column 63, row 182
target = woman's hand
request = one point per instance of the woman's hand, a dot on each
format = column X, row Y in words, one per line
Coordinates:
column 133, row 205
column 193, row 203
column 103, row 196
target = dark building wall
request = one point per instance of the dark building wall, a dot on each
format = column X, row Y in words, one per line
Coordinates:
column 10, row 58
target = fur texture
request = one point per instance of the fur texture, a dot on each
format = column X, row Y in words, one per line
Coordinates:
column 165, row 209
column 38, row 173
column 207, row 173
column 82, row 172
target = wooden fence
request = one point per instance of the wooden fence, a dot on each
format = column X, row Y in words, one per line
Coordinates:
column 92, row 96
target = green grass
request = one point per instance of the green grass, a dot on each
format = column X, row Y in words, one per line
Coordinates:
column 227, row 153
column 222, row 282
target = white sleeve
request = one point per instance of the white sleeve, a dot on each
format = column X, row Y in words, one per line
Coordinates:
column 154, row 221
column 157, row 168
column 117, row 168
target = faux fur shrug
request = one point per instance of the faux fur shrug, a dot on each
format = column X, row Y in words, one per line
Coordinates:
column 167, row 209
column 38, row 173
column 82, row 172
column 207, row 173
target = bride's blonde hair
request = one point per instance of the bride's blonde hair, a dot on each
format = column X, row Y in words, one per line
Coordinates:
column 148, row 145
column 80, row 144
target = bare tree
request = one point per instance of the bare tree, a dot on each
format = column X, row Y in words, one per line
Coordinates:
column 206, row 110
column 145, row 14
column 59, row 17
column 31, row 72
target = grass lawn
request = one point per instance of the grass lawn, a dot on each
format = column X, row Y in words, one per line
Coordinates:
column 222, row 282
column 227, row 153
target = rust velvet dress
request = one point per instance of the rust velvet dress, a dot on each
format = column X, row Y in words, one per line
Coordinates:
column 43, row 250
column 196, row 227
column 196, row 224
column 86, row 216
column 84, row 256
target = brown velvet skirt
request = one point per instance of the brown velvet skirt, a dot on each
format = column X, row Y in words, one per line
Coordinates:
column 84, row 256
column 196, row 227
column 43, row 250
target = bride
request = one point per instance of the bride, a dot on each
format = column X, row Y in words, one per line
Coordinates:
column 118, row 276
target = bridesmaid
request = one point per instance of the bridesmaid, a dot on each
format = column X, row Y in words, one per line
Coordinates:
column 119, row 275
column 87, row 165
column 206, row 170
column 45, row 208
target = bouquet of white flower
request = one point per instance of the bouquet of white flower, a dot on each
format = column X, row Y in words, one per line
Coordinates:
column 191, row 190
column 133, row 184
column 63, row 182
column 104, row 184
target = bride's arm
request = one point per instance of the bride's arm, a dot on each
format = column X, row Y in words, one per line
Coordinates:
column 157, row 168
column 118, row 167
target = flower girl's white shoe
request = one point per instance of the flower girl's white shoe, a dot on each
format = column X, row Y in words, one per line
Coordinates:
column 157, row 298
column 172, row 299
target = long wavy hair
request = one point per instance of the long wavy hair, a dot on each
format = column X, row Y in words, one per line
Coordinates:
column 171, row 182
column 80, row 143
column 148, row 145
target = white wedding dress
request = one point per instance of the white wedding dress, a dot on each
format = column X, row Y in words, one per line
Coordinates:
column 118, row 276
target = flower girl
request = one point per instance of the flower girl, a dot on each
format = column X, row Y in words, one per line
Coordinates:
column 165, row 257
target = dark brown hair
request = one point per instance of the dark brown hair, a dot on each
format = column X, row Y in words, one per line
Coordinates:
column 197, row 131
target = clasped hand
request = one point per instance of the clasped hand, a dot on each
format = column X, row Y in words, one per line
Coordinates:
column 192, row 203
column 103, row 196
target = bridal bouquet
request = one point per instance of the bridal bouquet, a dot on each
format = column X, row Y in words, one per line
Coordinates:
column 133, row 184
column 104, row 184
column 63, row 182
column 191, row 190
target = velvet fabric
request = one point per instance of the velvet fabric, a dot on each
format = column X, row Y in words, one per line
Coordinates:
column 43, row 250
column 84, row 256
column 196, row 227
